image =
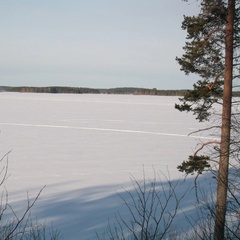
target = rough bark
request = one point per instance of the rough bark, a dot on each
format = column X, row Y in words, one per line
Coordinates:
column 221, row 201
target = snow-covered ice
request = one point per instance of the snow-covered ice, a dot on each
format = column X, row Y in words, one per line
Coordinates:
column 84, row 148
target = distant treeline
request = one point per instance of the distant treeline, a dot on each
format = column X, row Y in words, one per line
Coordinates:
column 80, row 90
column 52, row 89
column 143, row 91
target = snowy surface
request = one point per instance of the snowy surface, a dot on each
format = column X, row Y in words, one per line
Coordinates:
column 84, row 149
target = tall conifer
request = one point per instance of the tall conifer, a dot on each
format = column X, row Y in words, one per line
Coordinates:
column 212, row 52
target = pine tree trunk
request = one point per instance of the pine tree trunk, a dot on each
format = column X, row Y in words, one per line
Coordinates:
column 221, row 201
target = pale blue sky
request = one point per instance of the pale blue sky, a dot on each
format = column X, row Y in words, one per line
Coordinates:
column 93, row 43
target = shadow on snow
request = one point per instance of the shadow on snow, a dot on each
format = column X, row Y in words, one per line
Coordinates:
column 81, row 213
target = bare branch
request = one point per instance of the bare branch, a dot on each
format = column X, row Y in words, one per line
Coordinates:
column 204, row 145
column 21, row 219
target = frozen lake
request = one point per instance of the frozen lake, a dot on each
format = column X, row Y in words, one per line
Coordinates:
column 84, row 148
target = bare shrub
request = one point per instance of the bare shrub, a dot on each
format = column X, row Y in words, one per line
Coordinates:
column 152, row 205
column 20, row 226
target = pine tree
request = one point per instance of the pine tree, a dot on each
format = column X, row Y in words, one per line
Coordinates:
column 212, row 52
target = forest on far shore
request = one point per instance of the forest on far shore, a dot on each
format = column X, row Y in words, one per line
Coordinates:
column 81, row 90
